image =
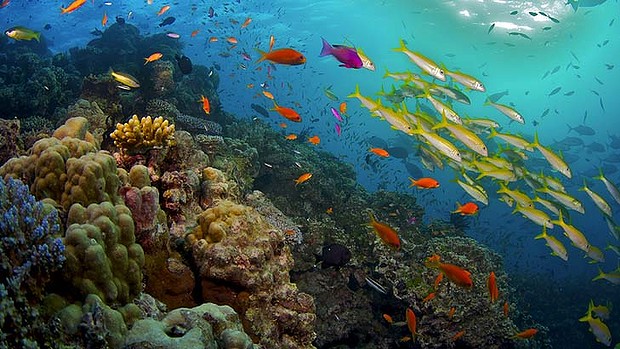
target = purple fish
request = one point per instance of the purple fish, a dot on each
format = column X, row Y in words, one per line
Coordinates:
column 336, row 114
column 346, row 55
column 338, row 130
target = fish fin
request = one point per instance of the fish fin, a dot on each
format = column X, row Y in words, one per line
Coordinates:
column 37, row 36
column 263, row 55
column 357, row 92
column 326, row 50
column 402, row 47
column 542, row 235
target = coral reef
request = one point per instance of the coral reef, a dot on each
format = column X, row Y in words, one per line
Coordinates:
column 10, row 143
column 244, row 262
column 102, row 256
column 161, row 82
column 139, row 135
column 197, row 126
column 30, row 251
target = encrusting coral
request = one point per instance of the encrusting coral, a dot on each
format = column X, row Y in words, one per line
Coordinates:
column 244, row 262
column 139, row 135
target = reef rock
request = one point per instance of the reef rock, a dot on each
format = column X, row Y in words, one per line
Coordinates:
column 243, row 261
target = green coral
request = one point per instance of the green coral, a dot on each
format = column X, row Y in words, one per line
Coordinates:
column 102, row 256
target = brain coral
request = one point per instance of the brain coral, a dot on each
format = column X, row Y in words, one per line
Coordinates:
column 239, row 254
column 102, row 256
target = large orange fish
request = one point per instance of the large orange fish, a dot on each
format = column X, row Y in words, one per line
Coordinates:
column 529, row 333
column 385, row 232
column 492, row 285
column 74, row 6
column 411, row 322
column 282, row 56
column 424, row 183
column 467, row 209
column 286, row 112
column 456, row 274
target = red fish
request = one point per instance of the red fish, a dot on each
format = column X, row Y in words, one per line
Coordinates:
column 206, row 107
column 411, row 321
column 286, row 56
column 529, row 333
column 506, row 309
column 286, row 112
column 467, row 209
column 429, row 298
column 492, row 285
column 438, row 279
column 424, row 183
column 456, row 274
column 385, row 232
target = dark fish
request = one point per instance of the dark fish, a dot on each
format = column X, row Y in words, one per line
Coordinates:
column 497, row 96
column 96, row 32
column 413, row 170
column 334, row 255
column 545, row 75
column 569, row 93
column 600, row 101
column 491, row 28
column 555, row 90
column 574, row 56
column 377, row 142
column 555, row 70
column 583, row 130
column 609, row 66
column 554, row 20
column 514, row 13
column 211, row 12
column 120, row 20
column 599, row 81
column 185, row 64
column 398, row 152
column 533, row 14
column 217, row 66
column 545, row 113
column 47, row 27
column 546, row 28
column 262, row 111
column 596, row 147
column 167, row 21
column 612, row 22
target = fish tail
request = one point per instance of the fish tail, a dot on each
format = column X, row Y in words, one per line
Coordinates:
column 493, row 133
column 263, row 55
column 402, row 47
column 413, row 182
column 357, row 92
column 372, row 217
column 327, row 48
column 543, row 234
column 37, row 36
column 601, row 275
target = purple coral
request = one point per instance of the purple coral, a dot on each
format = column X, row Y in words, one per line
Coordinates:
column 29, row 252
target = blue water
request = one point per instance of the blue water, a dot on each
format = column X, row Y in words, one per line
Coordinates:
column 584, row 44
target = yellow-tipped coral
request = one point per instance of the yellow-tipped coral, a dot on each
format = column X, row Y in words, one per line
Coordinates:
column 142, row 134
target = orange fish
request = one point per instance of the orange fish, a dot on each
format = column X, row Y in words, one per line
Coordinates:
column 155, row 56
column 304, row 177
column 529, row 333
column 246, row 23
column 268, row 94
column 457, row 335
column 468, row 209
column 424, row 183
column 195, row 32
column 405, row 339
column 492, row 285
column 286, row 112
column 163, row 10
column 314, row 140
column 456, row 274
column 283, row 125
column 428, row 298
column 206, row 106
column 291, row 137
column 232, row 40
column 506, row 308
column 329, row 210
column 451, row 312
column 388, row 319
column 104, row 20
column 380, row 152
column 272, row 41
column 213, row 39
column 385, row 232
column 249, row 85
column 438, row 279
column 74, row 6
column 282, row 56
column 411, row 321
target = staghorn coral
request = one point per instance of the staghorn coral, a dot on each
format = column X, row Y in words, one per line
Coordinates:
column 244, row 262
column 102, row 256
column 139, row 135
column 29, row 252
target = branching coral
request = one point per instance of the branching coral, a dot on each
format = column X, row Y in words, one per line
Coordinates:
column 29, row 253
column 138, row 135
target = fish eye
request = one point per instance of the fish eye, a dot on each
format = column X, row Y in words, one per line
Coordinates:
column 441, row 72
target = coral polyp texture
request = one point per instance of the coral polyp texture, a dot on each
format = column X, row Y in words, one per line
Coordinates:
column 30, row 251
column 243, row 261
column 137, row 135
